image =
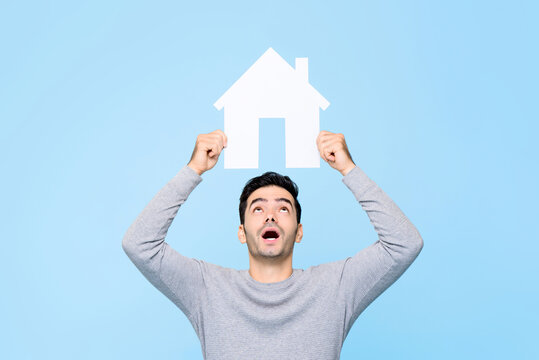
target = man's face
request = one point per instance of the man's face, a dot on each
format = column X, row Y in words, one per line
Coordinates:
column 270, row 227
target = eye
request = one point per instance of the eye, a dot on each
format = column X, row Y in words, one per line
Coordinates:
column 257, row 209
column 285, row 209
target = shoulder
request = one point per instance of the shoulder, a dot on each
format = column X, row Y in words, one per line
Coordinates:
column 326, row 272
column 214, row 272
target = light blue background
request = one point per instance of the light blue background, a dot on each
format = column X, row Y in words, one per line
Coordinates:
column 101, row 103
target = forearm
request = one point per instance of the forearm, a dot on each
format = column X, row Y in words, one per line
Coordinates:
column 396, row 233
column 146, row 236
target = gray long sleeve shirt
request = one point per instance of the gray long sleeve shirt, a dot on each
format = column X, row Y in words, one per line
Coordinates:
column 306, row 316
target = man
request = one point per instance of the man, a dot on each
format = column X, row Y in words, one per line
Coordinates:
column 272, row 311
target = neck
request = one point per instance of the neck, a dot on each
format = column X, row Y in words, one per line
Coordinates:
column 270, row 272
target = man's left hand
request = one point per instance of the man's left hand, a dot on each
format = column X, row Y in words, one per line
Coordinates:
column 333, row 150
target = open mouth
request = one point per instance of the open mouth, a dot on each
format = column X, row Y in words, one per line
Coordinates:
column 270, row 234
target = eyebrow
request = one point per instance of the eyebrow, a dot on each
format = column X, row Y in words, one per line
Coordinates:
column 266, row 200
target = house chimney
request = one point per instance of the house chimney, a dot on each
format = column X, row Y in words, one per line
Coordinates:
column 302, row 68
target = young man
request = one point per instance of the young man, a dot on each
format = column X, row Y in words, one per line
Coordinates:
column 272, row 311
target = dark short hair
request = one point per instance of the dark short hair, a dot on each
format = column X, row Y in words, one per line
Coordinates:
column 268, row 179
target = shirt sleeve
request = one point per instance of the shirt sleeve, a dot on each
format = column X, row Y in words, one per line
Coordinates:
column 372, row 270
column 176, row 276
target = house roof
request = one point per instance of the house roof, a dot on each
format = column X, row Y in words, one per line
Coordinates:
column 270, row 70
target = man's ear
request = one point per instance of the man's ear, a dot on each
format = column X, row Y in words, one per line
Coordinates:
column 299, row 233
column 241, row 235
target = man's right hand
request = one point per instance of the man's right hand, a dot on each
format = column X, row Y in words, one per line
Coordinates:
column 207, row 150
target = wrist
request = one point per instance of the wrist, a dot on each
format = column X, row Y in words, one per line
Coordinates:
column 347, row 169
column 195, row 169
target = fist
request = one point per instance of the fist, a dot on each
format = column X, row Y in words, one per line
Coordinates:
column 333, row 150
column 208, row 147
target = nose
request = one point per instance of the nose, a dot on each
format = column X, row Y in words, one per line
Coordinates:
column 270, row 218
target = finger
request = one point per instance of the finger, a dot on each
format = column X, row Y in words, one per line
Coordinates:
column 218, row 135
column 214, row 150
column 214, row 139
column 323, row 135
column 223, row 136
column 327, row 147
column 334, row 143
column 330, row 156
column 323, row 156
column 332, row 153
column 322, row 153
column 324, row 132
column 330, row 141
column 207, row 145
column 321, row 147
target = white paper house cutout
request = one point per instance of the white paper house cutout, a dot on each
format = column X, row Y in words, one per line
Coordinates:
column 271, row 88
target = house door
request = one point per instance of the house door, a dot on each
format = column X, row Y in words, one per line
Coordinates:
column 271, row 144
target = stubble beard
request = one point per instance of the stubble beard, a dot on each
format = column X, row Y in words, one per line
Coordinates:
column 273, row 255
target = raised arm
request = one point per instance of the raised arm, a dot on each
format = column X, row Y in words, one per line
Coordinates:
column 372, row 270
column 176, row 276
